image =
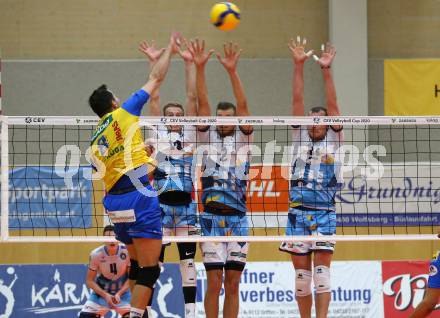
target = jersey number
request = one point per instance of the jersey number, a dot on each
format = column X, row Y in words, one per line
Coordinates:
column 304, row 165
column 113, row 268
column 103, row 146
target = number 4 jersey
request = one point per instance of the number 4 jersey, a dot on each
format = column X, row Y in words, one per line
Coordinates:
column 112, row 270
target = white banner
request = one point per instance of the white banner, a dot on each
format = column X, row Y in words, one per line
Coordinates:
column 267, row 290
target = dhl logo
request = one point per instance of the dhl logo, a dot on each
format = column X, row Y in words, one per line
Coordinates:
column 267, row 191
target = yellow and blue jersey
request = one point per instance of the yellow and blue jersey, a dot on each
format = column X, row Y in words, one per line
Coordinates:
column 117, row 143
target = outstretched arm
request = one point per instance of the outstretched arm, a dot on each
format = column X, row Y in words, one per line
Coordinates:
column 153, row 56
column 229, row 62
column 160, row 69
column 197, row 50
column 299, row 56
column 190, row 80
column 326, row 60
column 154, row 104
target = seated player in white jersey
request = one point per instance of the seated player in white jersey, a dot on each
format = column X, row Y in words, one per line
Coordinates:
column 174, row 146
column 224, row 182
column 314, row 181
column 107, row 276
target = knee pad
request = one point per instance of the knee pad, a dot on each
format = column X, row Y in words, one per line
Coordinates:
column 321, row 278
column 148, row 276
column 188, row 271
column 134, row 269
column 187, row 250
column 303, row 282
column 88, row 315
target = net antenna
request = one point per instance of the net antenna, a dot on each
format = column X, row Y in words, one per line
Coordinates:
column 36, row 206
column 4, row 170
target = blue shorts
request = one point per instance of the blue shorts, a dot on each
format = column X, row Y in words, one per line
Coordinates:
column 177, row 216
column 311, row 222
column 434, row 273
column 147, row 211
column 228, row 225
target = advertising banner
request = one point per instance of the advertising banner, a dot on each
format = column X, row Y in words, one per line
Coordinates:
column 267, row 290
column 54, row 291
column 404, row 284
column 411, row 87
column 404, row 195
column 40, row 198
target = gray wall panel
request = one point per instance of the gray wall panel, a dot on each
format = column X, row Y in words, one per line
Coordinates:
column 375, row 87
column 63, row 87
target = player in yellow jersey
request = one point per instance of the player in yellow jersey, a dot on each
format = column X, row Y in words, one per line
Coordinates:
column 119, row 156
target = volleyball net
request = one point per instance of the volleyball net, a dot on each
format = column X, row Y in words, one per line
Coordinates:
column 386, row 174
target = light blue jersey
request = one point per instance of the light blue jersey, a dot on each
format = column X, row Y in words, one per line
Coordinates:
column 112, row 270
column 173, row 178
column 316, row 170
column 225, row 170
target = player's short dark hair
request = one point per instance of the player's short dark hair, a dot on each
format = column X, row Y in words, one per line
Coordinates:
column 101, row 100
column 226, row 106
column 318, row 109
column 173, row 105
column 108, row 228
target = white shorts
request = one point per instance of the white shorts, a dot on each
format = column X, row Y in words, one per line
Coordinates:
column 231, row 255
column 97, row 305
column 305, row 248
column 187, row 230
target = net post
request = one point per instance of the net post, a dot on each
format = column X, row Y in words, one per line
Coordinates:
column 4, row 179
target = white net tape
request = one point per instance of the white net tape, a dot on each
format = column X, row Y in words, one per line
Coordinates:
column 389, row 186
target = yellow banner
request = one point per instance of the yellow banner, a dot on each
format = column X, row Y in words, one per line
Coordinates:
column 412, row 87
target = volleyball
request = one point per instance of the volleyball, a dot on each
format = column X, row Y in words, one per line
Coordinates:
column 225, row 16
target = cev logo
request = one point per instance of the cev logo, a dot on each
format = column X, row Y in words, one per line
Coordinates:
column 29, row 120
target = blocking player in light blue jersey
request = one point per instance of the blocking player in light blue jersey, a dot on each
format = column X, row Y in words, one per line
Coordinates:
column 314, row 181
column 224, row 181
column 432, row 294
column 107, row 277
column 173, row 147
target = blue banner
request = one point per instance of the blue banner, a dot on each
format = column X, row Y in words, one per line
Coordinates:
column 40, row 198
column 388, row 219
column 51, row 291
